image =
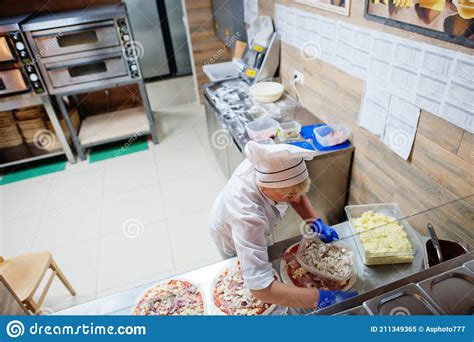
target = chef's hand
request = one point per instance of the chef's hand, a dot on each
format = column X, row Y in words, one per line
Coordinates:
column 325, row 233
column 327, row 298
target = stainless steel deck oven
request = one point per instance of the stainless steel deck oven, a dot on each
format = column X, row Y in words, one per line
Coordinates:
column 18, row 70
column 84, row 49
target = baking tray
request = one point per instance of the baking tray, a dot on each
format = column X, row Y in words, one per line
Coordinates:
column 389, row 209
column 452, row 290
column 408, row 300
column 357, row 311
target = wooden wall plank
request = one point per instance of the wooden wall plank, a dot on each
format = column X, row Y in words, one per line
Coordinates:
column 440, row 131
column 206, row 47
column 466, row 148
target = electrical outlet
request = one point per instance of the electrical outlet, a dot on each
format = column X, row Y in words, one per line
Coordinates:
column 298, row 76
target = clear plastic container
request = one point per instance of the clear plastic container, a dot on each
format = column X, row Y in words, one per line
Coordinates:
column 267, row 142
column 289, row 130
column 330, row 135
column 389, row 209
column 262, row 129
column 331, row 274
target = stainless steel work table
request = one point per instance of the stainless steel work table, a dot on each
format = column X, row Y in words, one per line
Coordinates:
column 368, row 278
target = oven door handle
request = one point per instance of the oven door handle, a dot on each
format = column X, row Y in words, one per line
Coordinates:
column 72, row 30
column 84, row 61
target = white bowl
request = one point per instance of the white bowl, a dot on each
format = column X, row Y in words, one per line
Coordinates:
column 267, row 92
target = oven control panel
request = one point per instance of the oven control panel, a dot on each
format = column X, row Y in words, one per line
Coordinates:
column 27, row 61
column 131, row 48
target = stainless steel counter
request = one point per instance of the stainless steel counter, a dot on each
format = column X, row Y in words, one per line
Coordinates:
column 368, row 279
column 229, row 106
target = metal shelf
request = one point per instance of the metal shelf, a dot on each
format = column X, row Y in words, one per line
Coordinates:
column 113, row 126
column 110, row 127
column 20, row 101
column 24, row 153
column 33, row 158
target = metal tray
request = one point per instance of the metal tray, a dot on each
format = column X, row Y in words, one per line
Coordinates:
column 357, row 311
column 470, row 265
column 452, row 290
column 408, row 300
column 389, row 209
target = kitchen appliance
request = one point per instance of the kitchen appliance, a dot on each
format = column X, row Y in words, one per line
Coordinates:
column 83, row 49
column 260, row 61
column 159, row 27
column 18, row 70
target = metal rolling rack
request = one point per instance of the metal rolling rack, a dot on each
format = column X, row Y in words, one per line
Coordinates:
column 26, row 100
column 106, row 59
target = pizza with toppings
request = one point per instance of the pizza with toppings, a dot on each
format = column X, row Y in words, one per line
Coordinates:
column 231, row 297
column 294, row 274
column 171, row 298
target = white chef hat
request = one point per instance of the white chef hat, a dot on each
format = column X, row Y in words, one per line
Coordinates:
column 278, row 166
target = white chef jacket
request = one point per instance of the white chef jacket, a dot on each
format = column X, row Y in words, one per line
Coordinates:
column 242, row 222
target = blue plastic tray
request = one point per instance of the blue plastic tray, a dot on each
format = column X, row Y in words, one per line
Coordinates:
column 302, row 144
column 307, row 132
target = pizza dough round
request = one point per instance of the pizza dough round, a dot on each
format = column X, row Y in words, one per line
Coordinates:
column 170, row 298
column 285, row 276
column 234, row 266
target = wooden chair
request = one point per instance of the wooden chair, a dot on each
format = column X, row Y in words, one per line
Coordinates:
column 25, row 273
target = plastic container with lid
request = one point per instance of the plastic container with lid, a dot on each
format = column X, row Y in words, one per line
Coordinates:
column 330, row 135
column 340, row 268
column 383, row 258
column 262, row 129
column 289, row 130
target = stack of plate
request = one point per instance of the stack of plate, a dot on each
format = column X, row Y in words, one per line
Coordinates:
column 9, row 134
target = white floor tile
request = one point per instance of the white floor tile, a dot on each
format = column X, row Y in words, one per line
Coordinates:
column 182, row 165
column 141, row 253
column 190, row 241
column 79, row 263
column 68, row 225
column 127, row 158
column 144, row 205
column 191, row 194
column 17, row 235
column 75, row 187
column 133, row 174
column 24, row 200
column 172, row 92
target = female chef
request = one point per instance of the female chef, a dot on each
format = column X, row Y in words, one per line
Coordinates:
column 251, row 204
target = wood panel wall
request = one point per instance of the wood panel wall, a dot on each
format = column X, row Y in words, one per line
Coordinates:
column 441, row 166
column 206, row 47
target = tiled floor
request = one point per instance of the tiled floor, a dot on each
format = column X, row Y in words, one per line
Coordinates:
column 122, row 222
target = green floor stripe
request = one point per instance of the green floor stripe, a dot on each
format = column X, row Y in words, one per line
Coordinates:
column 32, row 170
column 117, row 149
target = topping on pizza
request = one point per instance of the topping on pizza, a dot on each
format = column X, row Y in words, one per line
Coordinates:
column 302, row 278
column 232, row 298
column 335, row 261
column 175, row 297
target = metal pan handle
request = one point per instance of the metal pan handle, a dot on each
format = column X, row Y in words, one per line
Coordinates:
column 72, row 29
column 83, row 61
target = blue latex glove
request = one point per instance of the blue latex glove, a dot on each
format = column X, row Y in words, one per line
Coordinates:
column 324, row 232
column 327, row 298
